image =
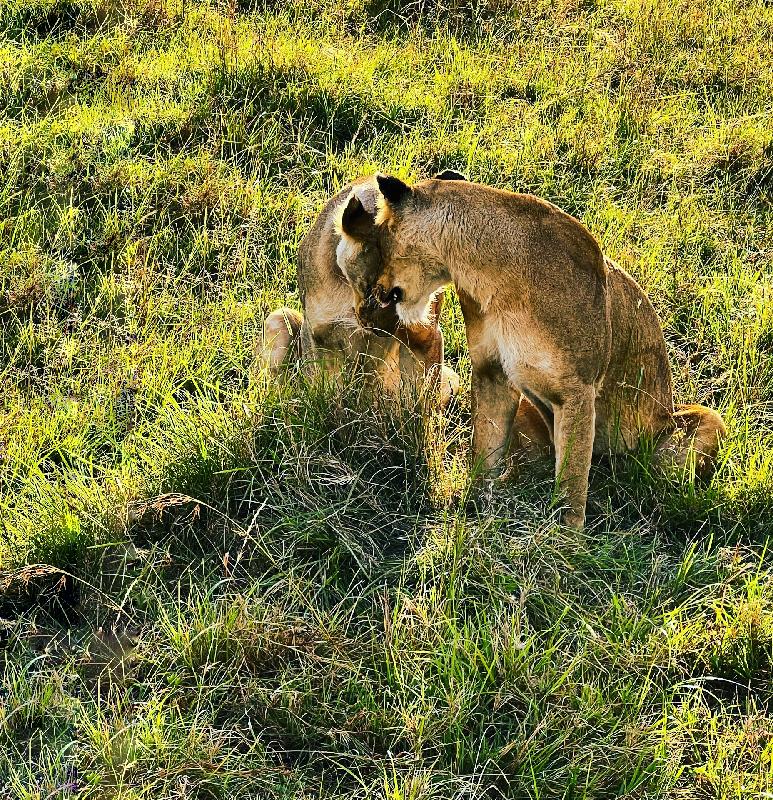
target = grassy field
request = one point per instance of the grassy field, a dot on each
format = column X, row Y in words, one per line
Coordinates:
column 215, row 586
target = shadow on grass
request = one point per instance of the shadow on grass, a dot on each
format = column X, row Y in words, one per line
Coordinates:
column 335, row 487
column 48, row 20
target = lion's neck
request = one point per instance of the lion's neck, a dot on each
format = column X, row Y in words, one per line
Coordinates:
column 460, row 239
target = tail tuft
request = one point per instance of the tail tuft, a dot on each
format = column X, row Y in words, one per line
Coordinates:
column 698, row 435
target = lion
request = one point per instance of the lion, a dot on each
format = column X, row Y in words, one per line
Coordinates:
column 329, row 334
column 567, row 351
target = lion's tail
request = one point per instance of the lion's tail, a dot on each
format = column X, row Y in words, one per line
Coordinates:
column 698, row 435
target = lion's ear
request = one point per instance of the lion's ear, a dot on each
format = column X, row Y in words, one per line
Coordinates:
column 450, row 175
column 393, row 189
column 356, row 222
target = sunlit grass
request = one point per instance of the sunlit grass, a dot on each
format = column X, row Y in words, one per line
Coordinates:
column 215, row 585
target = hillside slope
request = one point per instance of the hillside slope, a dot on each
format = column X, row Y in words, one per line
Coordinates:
column 215, row 586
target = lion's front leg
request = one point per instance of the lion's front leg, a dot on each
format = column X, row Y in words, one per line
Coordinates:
column 494, row 406
column 532, row 437
column 573, row 433
column 381, row 358
column 422, row 356
column 421, row 365
column 326, row 349
column 494, row 400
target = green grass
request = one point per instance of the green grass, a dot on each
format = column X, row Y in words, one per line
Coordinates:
column 214, row 586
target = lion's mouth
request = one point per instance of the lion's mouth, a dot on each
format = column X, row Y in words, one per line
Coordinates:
column 374, row 317
column 389, row 297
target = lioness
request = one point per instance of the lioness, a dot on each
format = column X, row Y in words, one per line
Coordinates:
column 330, row 334
column 548, row 318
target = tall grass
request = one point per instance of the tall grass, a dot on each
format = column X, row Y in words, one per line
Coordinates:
column 219, row 586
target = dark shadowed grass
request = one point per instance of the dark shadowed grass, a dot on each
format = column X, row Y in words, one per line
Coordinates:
column 219, row 586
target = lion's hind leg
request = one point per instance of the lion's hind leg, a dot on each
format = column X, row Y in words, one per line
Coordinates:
column 697, row 436
column 532, row 439
column 280, row 335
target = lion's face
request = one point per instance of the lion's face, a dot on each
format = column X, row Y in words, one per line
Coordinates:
column 408, row 277
column 387, row 259
column 361, row 263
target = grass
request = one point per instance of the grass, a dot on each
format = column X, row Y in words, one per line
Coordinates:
column 216, row 586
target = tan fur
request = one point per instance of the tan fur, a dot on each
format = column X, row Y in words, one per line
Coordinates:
column 280, row 331
column 552, row 326
column 337, row 332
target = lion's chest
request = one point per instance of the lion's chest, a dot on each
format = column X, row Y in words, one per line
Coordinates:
column 516, row 342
